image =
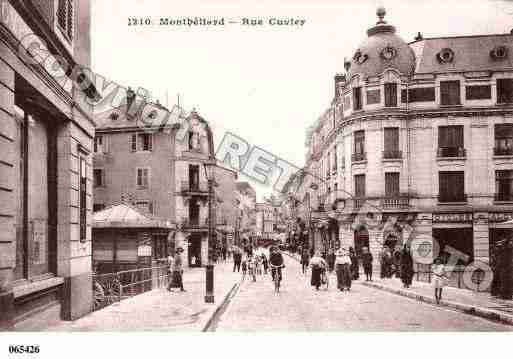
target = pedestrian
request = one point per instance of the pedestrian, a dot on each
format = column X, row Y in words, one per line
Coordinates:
column 343, row 269
column 355, row 268
column 331, row 260
column 265, row 263
column 406, row 267
column 177, row 271
column 382, row 260
column 318, row 265
column 244, row 268
column 367, row 263
column 396, row 260
column 305, row 261
column 169, row 269
column 439, row 279
column 237, row 258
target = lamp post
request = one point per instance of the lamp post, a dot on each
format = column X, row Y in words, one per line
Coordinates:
column 209, row 167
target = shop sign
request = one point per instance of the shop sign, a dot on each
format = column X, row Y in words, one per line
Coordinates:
column 500, row 217
column 452, row 217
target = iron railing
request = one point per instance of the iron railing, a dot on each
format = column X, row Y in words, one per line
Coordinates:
column 392, row 155
column 187, row 186
column 358, row 157
column 114, row 287
column 503, row 151
column 503, row 197
column 452, row 199
column 451, row 152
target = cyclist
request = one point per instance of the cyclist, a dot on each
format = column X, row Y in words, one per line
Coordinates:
column 276, row 263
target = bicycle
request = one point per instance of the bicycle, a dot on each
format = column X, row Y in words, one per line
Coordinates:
column 276, row 277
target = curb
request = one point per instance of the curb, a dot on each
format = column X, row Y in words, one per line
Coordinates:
column 489, row 314
column 231, row 293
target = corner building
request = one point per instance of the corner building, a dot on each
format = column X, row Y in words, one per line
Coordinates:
column 419, row 134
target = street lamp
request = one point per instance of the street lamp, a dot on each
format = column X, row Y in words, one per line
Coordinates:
column 209, row 167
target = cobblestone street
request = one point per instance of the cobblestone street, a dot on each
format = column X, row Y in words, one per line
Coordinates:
column 299, row 307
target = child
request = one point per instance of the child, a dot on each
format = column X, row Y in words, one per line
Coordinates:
column 439, row 279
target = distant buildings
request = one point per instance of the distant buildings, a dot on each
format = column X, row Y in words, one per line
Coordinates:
column 246, row 225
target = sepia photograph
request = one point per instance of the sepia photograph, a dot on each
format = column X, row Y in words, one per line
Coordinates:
column 259, row 167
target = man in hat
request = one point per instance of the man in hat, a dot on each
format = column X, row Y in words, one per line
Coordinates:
column 343, row 269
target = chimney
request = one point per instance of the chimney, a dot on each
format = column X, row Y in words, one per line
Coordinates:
column 130, row 98
column 339, row 78
column 347, row 64
column 419, row 37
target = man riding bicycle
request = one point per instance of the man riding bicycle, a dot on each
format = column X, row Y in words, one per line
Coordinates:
column 276, row 263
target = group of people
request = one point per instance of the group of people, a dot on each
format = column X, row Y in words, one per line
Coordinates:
column 343, row 261
column 400, row 264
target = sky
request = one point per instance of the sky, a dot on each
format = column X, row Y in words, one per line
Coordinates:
column 266, row 84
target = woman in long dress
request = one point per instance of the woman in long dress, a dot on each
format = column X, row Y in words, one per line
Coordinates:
column 318, row 265
column 406, row 267
column 439, row 279
column 343, row 268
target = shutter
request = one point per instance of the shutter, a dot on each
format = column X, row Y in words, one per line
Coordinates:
column 133, row 143
column 442, row 137
column 105, row 144
column 150, row 142
column 444, row 93
column 455, row 93
column 391, row 95
column 391, row 139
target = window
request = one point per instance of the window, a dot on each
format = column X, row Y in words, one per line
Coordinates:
column 461, row 239
column 83, row 198
column 98, row 144
column 141, row 142
column 421, row 94
column 373, row 97
column 357, row 98
column 450, row 93
column 504, row 90
column 347, row 102
column 328, row 165
column 503, row 140
column 391, row 143
column 194, row 177
column 391, row 95
column 98, row 177
column 145, row 207
column 479, row 92
column 143, row 177
column 359, row 186
column 451, row 186
column 359, row 146
column 335, row 159
column 504, row 185
column 65, row 17
column 450, row 141
column 392, row 184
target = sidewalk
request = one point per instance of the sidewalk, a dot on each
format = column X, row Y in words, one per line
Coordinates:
column 480, row 304
column 160, row 310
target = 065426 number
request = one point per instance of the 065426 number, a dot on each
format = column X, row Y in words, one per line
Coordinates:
column 23, row 349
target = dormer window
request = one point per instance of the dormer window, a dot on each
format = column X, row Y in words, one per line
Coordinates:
column 445, row 56
column 65, row 18
column 499, row 53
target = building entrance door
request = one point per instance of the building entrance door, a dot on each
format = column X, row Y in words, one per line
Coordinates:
column 361, row 239
column 195, row 250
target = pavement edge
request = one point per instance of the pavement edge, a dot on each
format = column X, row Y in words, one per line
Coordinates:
column 481, row 312
column 218, row 311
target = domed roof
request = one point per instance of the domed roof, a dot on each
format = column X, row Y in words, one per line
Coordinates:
column 382, row 50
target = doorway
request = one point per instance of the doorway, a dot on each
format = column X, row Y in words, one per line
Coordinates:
column 195, row 250
column 361, row 240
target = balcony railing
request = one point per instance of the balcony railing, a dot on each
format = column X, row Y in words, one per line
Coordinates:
column 395, row 202
column 451, row 152
column 358, row 202
column 187, row 186
column 501, row 151
column 452, row 199
column 194, row 222
column 392, row 155
column 503, row 197
column 358, row 157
